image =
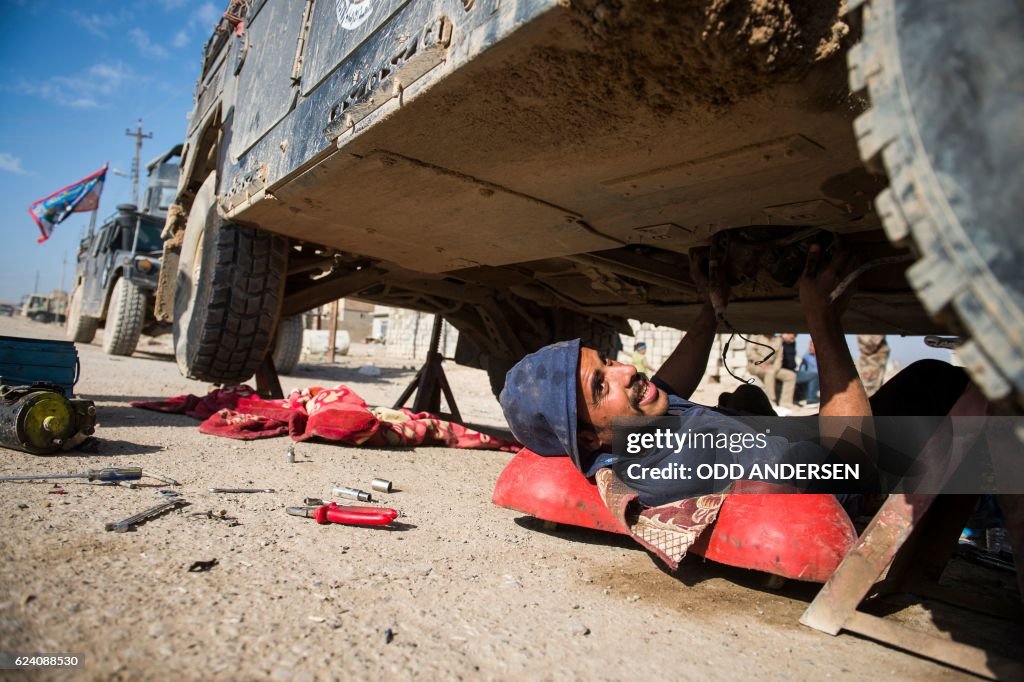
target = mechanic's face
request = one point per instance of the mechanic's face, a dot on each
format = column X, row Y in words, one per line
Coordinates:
column 610, row 389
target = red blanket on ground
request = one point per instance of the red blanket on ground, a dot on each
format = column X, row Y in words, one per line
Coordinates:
column 335, row 414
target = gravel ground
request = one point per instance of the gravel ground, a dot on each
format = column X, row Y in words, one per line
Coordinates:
column 462, row 589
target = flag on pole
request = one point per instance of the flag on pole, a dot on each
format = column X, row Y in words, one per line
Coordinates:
column 81, row 197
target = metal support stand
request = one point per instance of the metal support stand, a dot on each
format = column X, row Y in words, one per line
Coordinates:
column 430, row 381
column 268, row 385
column 904, row 549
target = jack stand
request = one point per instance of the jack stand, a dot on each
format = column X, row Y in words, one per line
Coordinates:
column 430, row 381
column 268, row 385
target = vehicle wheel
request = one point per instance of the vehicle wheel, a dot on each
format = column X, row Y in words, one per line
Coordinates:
column 564, row 325
column 79, row 328
column 125, row 319
column 228, row 294
column 288, row 346
column 946, row 106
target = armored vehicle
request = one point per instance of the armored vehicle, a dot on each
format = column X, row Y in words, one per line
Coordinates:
column 534, row 170
column 46, row 307
column 119, row 264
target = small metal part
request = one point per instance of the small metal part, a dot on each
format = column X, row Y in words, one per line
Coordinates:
column 351, row 494
column 312, row 501
column 169, row 493
column 380, row 485
column 160, row 477
column 307, row 512
column 202, row 566
column 290, row 455
column 143, row 516
column 242, row 490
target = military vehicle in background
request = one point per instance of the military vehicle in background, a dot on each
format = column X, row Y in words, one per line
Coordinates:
column 535, row 170
column 119, row 265
column 50, row 307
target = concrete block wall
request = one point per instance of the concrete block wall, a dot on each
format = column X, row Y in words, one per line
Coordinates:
column 661, row 341
column 408, row 335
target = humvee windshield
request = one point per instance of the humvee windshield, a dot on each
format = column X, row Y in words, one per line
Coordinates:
column 149, row 237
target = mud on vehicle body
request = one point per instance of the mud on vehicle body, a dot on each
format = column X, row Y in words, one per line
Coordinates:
column 531, row 170
column 119, row 266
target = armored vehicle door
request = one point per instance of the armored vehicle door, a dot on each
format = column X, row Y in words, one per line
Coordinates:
column 267, row 84
column 94, row 268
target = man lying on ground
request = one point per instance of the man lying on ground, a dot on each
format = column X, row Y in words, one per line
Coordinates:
column 563, row 398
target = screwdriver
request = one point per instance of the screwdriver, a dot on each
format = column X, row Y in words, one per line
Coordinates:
column 350, row 516
column 108, row 474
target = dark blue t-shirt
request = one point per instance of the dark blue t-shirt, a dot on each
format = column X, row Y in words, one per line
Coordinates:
column 654, row 491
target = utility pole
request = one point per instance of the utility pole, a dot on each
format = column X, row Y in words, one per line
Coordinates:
column 139, row 136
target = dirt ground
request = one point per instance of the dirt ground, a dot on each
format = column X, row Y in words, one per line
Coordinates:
column 462, row 590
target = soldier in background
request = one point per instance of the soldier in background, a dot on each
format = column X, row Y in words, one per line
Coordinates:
column 764, row 361
column 874, row 356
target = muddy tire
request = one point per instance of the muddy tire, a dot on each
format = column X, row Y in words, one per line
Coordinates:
column 288, row 345
column 79, row 328
column 564, row 325
column 125, row 318
column 944, row 82
column 227, row 296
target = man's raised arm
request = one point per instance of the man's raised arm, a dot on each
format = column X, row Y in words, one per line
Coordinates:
column 842, row 393
column 686, row 366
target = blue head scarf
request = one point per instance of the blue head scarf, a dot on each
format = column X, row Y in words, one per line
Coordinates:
column 539, row 400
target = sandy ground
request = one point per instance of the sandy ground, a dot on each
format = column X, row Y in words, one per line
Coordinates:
column 462, row 590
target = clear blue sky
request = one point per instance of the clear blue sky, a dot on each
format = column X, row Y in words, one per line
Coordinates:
column 74, row 76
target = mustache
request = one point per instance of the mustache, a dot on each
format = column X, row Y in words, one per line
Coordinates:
column 638, row 387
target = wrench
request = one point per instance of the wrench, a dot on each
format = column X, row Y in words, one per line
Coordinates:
column 143, row 516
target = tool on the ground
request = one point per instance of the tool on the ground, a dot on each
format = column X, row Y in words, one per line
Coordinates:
column 168, row 493
column 160, row 477
column 38, row 419
column 241, row 490
column 380, row 485
column 350, row 516
column 110, row 474
column 351, row 494
column 143, row 516
column 290, row 455
column 313, row 501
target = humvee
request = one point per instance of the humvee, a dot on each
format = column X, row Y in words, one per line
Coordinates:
column 534, row 170
column 119, row 265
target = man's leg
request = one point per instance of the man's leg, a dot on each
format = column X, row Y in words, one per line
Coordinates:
column 769, row 384
column 810, row 380
column 925, row 388
column 788, row 379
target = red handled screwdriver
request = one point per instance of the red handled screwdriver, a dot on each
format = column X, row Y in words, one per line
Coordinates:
column 350, row 516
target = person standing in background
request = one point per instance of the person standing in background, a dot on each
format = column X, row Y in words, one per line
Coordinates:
column 872, row 361
column 807, row 376
column 789, row 351
column 771, row 370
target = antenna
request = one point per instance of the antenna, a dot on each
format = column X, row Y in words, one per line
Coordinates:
column 139, row 136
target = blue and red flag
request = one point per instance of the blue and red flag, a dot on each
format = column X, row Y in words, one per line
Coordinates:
column 81, row 197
